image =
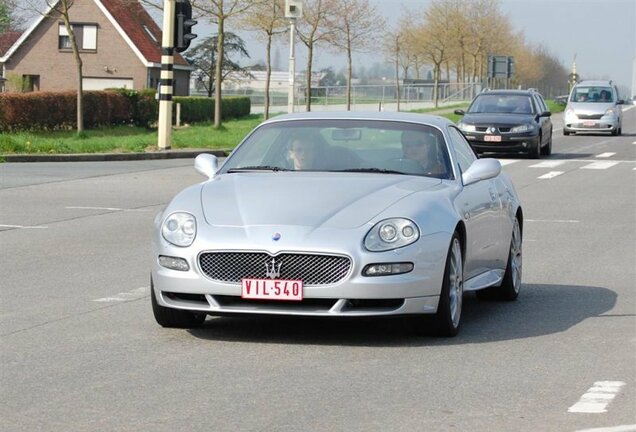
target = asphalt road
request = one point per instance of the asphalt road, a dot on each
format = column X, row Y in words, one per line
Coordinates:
column 80, row 350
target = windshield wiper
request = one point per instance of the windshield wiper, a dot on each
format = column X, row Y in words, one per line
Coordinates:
column 370, row 170
column 257, row 168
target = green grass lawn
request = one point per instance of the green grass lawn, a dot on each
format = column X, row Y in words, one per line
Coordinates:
column 130, row 139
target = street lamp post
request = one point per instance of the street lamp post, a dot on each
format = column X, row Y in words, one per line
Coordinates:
column 293, row 10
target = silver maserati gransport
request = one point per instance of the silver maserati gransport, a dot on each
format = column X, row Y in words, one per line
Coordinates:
column 340, row 215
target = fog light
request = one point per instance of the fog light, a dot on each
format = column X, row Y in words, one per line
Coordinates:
column 173, row 263
column 387, row 269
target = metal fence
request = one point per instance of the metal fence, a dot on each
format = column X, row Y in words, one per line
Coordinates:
column 367, row 94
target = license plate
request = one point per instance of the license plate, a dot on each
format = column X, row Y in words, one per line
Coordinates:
column 492, row 138
column 589, row 123
column 272, row 289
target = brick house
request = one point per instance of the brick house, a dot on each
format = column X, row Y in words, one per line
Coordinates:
column 119, row 43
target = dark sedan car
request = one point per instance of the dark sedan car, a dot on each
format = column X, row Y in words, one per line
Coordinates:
column 503, row 121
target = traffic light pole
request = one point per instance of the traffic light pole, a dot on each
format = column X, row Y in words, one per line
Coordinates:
column 167, row 76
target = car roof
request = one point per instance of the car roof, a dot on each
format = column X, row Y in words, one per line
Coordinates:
column 425, row 119
column 509, row 92
column 594, row 83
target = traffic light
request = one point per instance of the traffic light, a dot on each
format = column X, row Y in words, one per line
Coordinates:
column 183, row 24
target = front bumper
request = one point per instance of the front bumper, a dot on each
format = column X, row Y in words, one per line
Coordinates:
column 415, row 292
column 509, row 143
column 605, row 123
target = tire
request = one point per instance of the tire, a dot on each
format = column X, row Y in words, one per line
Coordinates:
column 615, row 131
column 447, row 320
column 547, row 150
column 566, row 132
column 174, row 318
column 535, row 152
column 511, row 284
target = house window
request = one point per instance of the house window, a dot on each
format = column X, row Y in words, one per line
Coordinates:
column 30, row 83
column 85, row 36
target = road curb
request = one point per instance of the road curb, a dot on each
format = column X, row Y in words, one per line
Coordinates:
column 103, row 157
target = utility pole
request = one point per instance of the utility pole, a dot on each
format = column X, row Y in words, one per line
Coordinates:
column 167, row 76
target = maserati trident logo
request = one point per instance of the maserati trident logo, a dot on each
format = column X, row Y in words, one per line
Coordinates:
column 274, row 271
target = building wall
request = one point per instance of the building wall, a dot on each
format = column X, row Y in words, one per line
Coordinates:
column 40, row 55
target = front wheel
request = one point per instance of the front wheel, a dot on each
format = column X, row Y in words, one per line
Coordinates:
column 447, row 320
column 535, row 151
column 511, row 284
column 547, row 150
column 177, row 318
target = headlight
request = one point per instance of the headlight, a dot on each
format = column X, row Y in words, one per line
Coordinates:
column 611, row 111
column 522, row 128
column 391, row 234
column 180, row 229
column 569, row 112
column 466, row 127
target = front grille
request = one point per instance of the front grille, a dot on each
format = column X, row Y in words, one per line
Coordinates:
column 589, row 116
column 311, row 269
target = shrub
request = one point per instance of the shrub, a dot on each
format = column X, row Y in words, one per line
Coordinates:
column 201, row 109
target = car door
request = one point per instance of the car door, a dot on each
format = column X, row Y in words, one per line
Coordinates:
column 480, row 207
column 544, row 122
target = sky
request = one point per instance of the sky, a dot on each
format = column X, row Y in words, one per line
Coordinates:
column 601, row 33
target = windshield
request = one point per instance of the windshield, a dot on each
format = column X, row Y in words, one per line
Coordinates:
column 592, row 94
column 343, row 146
column 498, row 103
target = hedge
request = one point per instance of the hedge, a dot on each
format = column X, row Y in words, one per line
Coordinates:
column 196, row 109
column 57, row 110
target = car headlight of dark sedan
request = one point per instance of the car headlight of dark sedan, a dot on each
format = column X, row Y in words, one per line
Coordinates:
column 523, row 128
column 180, row 229
column 466, row 127
column 391, row 234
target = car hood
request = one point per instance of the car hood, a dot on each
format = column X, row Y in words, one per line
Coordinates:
column 590, row 107
column 329, row 200
column 487, row 119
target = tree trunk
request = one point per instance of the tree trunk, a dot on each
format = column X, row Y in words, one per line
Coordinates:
column 218, row 78
column 310, row 56
column 78, row 63
column 349, row 74
column 268, row 60
column 436, row 75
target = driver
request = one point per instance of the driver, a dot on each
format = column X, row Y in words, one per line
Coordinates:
column 422, row 148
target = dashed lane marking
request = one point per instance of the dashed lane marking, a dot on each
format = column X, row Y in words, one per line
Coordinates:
column 551, row 174
column 125, row 296
column 605, row 155
column 597, row 397
column 505, row 162
column 621, row 428
column 103, row 208
column 553, row 220
column 23, row 226
column 548, row 164
column 600, row 165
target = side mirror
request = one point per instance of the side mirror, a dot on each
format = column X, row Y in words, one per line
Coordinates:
column 206, row 164
column 459, row 112
column 621, row 102
column 481, row 169
column 546, row 114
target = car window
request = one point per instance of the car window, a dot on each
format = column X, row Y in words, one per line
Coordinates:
column 601, row 94
column 463, row 151
column 541, row 105
column 339, row 145
column 501, row 103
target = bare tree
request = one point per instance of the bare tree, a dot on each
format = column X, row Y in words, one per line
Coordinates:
column 219, row 11
column 355, row 28
column 313, row 29
column 267, row 20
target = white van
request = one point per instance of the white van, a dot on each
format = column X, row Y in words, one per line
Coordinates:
column 593, row 106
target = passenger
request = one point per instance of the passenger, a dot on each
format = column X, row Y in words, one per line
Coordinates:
column 422, row 148
column 605, row 96
column 581, row 97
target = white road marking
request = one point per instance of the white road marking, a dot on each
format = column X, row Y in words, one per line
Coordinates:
column 553, row 220
column 596, row 399
column 605, row 155
column 634, row 142
column 23, row 226
column 103, row 208
column 505, row 162
column 548, row 164
column 551, row 174
column 622, row 428
column 125, row 296
column 600, row 165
